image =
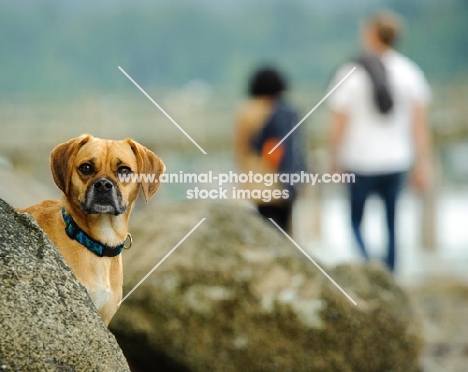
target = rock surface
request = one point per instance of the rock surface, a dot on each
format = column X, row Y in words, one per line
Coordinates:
column 47, row 320
column 237, row 296
column 443, row 302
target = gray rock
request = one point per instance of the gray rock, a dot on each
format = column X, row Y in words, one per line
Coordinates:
column 238, row 296
column 47, row 320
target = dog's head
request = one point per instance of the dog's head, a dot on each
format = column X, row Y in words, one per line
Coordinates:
column 96, row 174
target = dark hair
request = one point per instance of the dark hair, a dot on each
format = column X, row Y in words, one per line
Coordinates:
column 266, row 81
column 388, row 26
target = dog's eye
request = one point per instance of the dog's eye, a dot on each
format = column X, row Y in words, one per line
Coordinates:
column 124, row 170
column 86, row 168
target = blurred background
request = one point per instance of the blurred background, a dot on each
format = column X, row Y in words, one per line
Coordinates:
column 59, row 78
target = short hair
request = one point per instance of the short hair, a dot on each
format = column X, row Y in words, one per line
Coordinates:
column 388, row 26
column 267, row 81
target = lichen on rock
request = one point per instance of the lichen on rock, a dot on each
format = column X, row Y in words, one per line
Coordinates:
column 238, row 296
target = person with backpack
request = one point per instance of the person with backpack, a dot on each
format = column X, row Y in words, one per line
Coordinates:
column 378, row 127
column 263, row 121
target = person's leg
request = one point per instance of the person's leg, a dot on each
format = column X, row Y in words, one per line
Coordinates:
column 286, row 216
column 280, row 213
column 389, row 187
column 358, row 193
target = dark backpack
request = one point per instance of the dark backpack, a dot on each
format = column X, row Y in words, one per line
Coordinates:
column 383, row 97
column 277, row 126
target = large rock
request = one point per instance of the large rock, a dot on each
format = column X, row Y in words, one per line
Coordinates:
column 238, row 296
column 47, row 320
column 443, row 303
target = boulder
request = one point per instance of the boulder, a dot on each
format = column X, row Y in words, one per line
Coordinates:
column 442, row 302
column 236, row 295
column 47, row 320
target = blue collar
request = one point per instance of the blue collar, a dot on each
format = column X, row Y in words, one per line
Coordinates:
column 99, row 249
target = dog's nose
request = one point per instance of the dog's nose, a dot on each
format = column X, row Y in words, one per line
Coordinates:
column 103, row 185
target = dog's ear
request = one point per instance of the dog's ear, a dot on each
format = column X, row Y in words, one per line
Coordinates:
column 148, row 164
column 62, row 158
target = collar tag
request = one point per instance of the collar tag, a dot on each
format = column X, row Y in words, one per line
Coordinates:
column 127, row 244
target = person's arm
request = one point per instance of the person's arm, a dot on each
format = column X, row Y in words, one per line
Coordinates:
column 241, row 140
column 421, row 177
column 338, row 125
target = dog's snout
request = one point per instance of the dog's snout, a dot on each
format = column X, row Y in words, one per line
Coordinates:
column 103, row 197
column 103, row 185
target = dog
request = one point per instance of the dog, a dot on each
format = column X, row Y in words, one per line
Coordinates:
column 90, row 225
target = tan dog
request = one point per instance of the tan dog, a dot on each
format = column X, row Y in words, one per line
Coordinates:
column 95, row 209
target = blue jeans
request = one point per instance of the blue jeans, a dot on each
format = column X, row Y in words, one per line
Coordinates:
column 387, row 187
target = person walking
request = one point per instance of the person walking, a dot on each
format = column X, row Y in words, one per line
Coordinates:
column 378, row 125
column 262, row 122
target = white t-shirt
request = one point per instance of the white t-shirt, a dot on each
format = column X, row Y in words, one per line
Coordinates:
column 374, row 143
